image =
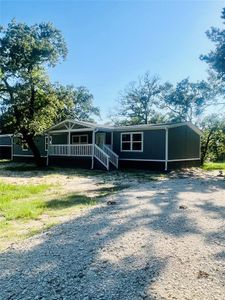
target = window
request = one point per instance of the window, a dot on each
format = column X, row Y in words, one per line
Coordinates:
column 46, row 142
column 80, row 139
column 132, row 141
column 25, row 146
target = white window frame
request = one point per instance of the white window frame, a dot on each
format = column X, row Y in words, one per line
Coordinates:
column 22, row 146
column 46, row 142
column 79, row 136
column 131, row 141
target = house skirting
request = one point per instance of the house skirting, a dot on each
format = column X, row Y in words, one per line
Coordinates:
column 157, row 165
column 72, row 162
column 5, row 152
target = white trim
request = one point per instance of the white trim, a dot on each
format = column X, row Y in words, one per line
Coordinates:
column 143, row 159
column 5, row 145
column 5, row 135
column 27, row 155
column 71, row 130
column 131, row 141
column 166, row 149
column 79, row 135
column 159, row 160
column 184, row 159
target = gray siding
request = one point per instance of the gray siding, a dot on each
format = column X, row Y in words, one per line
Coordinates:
column 5, row 140
column 59, row 138
column 62, row 138
column 153, row 147
column 183, row 143
column 39, row 141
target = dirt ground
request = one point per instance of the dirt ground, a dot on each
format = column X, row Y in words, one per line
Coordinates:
column 161, row 238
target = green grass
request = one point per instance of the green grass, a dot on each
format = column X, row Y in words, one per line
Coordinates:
column 210, row 166
column 20, row 201
column 26, row 210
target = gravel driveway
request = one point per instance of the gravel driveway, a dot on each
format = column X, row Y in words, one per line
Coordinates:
column 163, row 239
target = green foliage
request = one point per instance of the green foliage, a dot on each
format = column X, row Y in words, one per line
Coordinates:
column 186, row 101
column 29, row 102
column 139, row 102
column 216, row 58
column 213, row 138
column 78, row 104
column 211, row 166
column 17, row 201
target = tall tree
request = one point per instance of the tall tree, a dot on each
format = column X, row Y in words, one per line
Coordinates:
column 138, row 103
column 29, row 102
column 216, row 58
column 216, row 61
column 186, row 101
column 213, row 138
column 82, row 107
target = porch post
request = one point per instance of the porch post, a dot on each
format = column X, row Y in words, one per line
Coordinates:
column 93, row 149
column 69, row 143
column 166, row 149
column 47, row 161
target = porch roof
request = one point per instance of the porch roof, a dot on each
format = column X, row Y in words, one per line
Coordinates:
column 76, row 126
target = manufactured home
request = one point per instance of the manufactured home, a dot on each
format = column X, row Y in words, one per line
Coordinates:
column 153, row 146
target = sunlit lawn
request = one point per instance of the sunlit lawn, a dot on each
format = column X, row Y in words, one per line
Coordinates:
column 28, row 209
column 210, row 166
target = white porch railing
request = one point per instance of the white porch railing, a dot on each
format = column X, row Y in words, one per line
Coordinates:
column 101, row 156
column 113, row 157
column 71, row 150
column 80, row 150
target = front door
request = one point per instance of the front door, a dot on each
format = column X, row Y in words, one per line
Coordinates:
column 100, row 138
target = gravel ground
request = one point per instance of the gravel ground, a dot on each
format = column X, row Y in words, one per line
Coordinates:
column 163, row 239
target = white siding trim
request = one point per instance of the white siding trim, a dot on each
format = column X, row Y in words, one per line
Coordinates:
column 142, row 159
column 160, row 160
column 184, row 159
column 27, row 155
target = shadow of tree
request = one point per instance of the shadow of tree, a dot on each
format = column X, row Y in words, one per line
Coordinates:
column 98, row 255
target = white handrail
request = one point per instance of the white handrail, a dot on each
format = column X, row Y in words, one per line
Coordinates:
column 101, row 156
column 70, row 150
column 113, row 157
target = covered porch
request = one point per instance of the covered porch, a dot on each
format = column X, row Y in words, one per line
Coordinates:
column 73, row 138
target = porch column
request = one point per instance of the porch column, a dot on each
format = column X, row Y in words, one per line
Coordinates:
column 93, row 149
column 166, row 149
column 48, row 139
column 69, row 143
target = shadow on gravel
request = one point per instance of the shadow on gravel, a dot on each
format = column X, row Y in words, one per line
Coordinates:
column 85, row 258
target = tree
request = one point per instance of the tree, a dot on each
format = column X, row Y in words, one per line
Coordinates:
column 29, row 102
column 213, row 138
column 216, row 61
column 216, row 57
column 82, row 107
column 186, row 101
column 138, row 103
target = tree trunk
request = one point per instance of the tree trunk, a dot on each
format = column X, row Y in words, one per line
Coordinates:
column 205, row 148
column 37, row 156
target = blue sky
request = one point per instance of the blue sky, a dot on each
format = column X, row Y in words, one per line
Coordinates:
column 113, row 42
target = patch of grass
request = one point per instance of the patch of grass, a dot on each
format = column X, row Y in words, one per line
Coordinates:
column 71, row 200
column 106, row 191
column 26, row 210
column 210, row 166
column 19, row 201
column 5, row 161
column 26, row 168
